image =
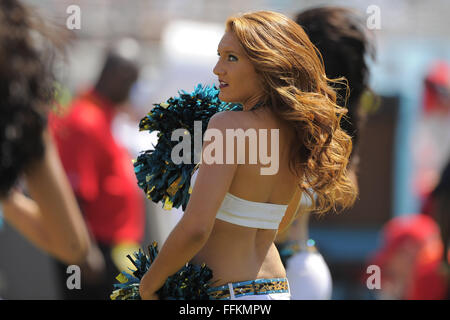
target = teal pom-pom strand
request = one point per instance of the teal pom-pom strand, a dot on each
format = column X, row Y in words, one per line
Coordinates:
column 190, row 283
column 159, row 177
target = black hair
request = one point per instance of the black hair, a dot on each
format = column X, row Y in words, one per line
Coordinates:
column 26, row 90
column 116, row 77
column 340, row 36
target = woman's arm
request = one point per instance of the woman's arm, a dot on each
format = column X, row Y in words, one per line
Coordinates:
column 193, row 230
column 52, row 220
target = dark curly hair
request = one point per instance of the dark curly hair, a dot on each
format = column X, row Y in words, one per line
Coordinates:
column 341, row 37
column 26, row 90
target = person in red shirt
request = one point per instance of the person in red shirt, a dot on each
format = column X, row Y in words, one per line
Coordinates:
column 410, row 259
column 101, row 173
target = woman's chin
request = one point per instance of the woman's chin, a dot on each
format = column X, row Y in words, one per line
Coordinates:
column 223, row 97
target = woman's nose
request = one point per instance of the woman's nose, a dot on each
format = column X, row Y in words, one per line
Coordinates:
column 218, row 70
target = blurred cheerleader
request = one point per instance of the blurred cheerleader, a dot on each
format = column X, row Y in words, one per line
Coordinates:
column 51, row 219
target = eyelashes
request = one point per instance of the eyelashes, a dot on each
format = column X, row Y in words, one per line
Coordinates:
column 230, row 57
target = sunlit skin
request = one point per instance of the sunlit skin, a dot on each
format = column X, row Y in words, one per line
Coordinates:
column 239, row 82
column 233, row 252
column 51, row 220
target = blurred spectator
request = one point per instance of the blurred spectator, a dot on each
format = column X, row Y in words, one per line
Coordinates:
column 431, row 140
column 437, row 88
column 410, row 259
column 50, row 219
column 101, row 173
column 437, row 206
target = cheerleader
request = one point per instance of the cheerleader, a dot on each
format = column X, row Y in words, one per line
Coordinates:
column 267, row 64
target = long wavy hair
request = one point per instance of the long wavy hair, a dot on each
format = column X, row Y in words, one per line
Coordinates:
column 342, row 38
column 297, row 91
column 26, row 88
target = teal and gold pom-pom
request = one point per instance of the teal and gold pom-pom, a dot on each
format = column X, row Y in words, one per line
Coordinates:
column 159, row 177
column 190, row 283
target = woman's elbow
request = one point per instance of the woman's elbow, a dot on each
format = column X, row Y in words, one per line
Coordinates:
column 196, row 227
column 80, row 252
column 74, row 253
column 198, row 235
column 197, row 232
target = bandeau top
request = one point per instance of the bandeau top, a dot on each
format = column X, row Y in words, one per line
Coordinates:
column 247, row 213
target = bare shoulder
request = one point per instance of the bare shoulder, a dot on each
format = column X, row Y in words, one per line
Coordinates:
column 224, row 119
column 231, row 120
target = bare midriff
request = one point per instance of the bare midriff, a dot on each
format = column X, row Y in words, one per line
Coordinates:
column 235, row 253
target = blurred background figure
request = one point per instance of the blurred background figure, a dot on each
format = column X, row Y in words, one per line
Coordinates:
column 410, row 260
column 34, row 191
column 101, row 173
column 437, row 87
column 341, row 37
column 431, row 140
column 437, row 206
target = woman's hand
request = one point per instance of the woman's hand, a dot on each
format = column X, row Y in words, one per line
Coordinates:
column 94, row 265
column 146, row 289
column 147, row 294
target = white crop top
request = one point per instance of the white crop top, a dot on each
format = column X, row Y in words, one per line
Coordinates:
column 248, row 213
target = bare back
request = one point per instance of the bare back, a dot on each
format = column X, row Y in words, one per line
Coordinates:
column 237, row 253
